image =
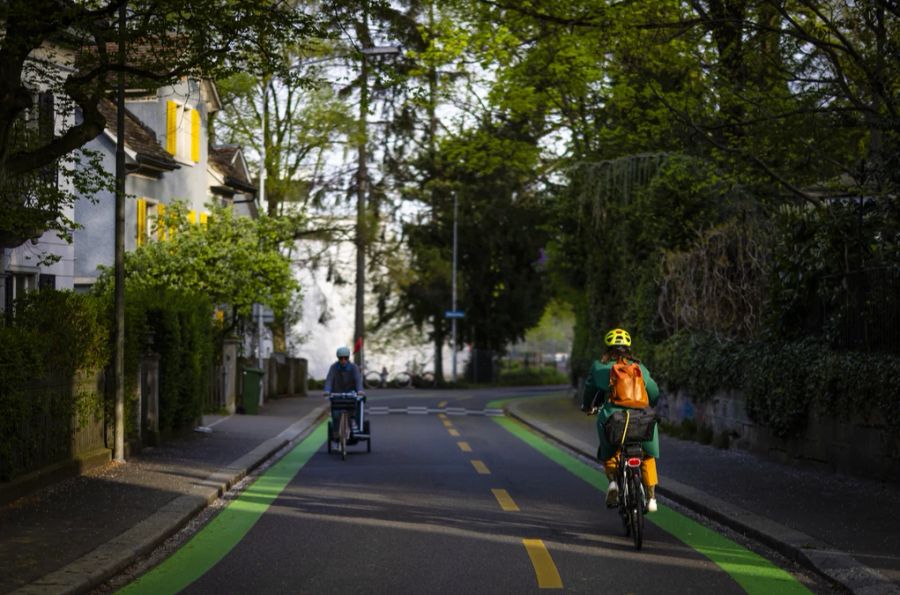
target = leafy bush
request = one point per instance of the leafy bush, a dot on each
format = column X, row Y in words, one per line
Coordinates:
column 779, row 382
column 53, row 335
column 180, row 327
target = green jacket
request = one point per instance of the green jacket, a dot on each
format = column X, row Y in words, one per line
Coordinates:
column 597, row 381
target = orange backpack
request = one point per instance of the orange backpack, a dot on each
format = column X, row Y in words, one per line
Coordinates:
column 626, row 385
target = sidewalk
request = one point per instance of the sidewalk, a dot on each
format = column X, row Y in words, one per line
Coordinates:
column 74, row 535
column 845, row 528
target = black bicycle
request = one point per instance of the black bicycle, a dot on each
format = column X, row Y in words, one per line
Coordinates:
column 628, row 429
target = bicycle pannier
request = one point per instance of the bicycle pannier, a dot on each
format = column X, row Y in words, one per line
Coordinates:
column 630, row 424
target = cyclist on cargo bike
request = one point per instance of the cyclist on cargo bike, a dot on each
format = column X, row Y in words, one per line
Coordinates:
column 344, row 388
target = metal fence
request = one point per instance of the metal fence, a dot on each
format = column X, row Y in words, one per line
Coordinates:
column 215, row 400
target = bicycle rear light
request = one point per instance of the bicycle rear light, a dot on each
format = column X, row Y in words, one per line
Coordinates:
column 633, row 462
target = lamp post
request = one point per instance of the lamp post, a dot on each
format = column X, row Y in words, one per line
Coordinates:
column 362, row 183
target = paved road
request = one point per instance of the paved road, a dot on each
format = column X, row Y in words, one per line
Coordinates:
column 452, row 499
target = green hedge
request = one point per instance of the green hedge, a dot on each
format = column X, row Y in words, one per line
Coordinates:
column 53, row 335
column 780, row 382
column 180, row 327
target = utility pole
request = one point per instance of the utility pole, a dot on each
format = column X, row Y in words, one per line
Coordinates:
column 453, row 286
column 119, row 366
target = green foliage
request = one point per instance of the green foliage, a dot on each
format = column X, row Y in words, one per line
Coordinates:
column 215, row 39
column 532, row 376
column 837, row 265
column 230, row 260
column 781, row 381
column 179, row 327
column 53, row 335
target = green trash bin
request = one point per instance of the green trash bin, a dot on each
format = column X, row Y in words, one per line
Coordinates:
column 250, row 379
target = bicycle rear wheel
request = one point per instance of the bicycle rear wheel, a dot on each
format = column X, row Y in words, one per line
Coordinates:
column 372, row 380
column 426, row 380
column 636, row 510
column 402, row 380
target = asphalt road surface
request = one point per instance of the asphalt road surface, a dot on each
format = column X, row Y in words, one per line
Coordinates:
column 453, row 498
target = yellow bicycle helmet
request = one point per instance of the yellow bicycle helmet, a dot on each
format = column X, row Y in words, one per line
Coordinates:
column 617, row 338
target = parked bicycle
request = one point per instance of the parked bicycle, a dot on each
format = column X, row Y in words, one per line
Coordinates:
column 629, row 428
column 405, row 379
column 373, row 379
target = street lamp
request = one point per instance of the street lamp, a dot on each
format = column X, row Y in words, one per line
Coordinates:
column 362, row 179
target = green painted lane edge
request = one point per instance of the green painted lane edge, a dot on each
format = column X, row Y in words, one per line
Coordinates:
column 213, row 542
column 751, row 571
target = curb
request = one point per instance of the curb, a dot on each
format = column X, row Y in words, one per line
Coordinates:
column 837, row 567
column 109, row 559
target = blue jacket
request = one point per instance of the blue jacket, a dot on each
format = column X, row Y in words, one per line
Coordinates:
column 343, row 379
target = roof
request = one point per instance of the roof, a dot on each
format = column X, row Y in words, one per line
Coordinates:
column 139, row 138
column 228, row 160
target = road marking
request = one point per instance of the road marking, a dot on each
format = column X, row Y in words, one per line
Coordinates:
column 544, row 568
column 419, row 410
column 480, row 467
column 504, row 500
column 442, row 404
column 453, row 432
column 447, row 423
column 212, row 543
column 751, row 571
column 442, row 415
column 464, row 446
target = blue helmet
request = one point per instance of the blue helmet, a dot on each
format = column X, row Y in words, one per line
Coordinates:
column 343, row 352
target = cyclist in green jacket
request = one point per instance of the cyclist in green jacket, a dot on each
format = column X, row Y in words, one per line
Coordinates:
column 594, row 397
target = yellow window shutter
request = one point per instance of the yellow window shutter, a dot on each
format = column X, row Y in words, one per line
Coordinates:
column 192, row 217
column 172, row 127
column 160, row 221
column 141, row 222
column 204, row 218
column 195, row 135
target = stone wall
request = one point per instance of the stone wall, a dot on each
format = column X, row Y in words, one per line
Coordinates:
column 860, row 446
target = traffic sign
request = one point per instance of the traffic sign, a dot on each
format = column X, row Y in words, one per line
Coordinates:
column 454, row 314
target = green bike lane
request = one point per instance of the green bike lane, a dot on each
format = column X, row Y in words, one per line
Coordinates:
column 559, row 507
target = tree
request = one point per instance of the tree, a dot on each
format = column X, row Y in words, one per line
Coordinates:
column 501, row 238
column 165, row 41
column 233, row 261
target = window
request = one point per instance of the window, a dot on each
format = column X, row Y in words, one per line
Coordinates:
column 16, row 285
column 149, row 213
column 183, row 131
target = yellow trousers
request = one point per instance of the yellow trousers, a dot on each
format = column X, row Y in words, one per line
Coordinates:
column 648, row 469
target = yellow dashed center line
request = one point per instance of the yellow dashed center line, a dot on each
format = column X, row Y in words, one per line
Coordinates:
column 504, row 500
column 464, row 446
column 453, row 432
column 544, row 568
column 480, row 467
column 442, row 415
column 447, row 423
column 441, row 405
